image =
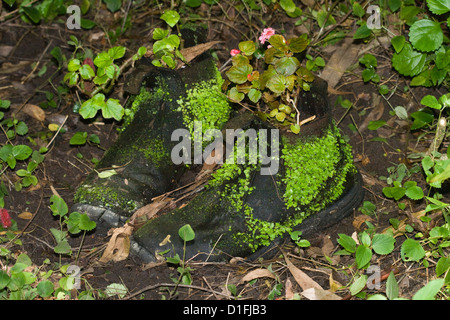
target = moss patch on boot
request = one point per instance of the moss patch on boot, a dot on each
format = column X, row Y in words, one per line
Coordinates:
column 204, row 102
column 315, row 176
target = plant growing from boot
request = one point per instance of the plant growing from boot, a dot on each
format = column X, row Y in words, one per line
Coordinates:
column 271, row 77
column 96, row 77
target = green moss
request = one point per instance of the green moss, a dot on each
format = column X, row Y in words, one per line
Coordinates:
column 316, row 172
column 145, row 97
column 204, row 102
column 154, row 151
column 107, row 197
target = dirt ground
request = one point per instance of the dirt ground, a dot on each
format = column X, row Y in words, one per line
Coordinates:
column 63, row 170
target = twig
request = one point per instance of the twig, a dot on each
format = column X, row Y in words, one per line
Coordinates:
column 59, row 129
column 37, row 63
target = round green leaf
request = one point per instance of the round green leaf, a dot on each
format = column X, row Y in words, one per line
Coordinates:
column 254, row 95
column 238, row 74
column 278, row 42
column 247, row 47
column 171, row 17
column 21, row 152
column 426, row 35
column 159, row 33
column 383, row 243
column 103, row 60
column 86, row 224
column 73, row 65
column 117, row 52
column 277, row 83
column 415, row 193
column 398, row 42
column 411, row 250
column 299, row 44
column 186, row 233
column 439, row 6
column 113, row 109
column 286, row 65
column 79, row 138
column 45, row 288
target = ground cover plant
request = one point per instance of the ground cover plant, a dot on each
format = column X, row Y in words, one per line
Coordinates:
column 62, row 106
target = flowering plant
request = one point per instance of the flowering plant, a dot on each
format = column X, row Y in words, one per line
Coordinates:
column 275, row 78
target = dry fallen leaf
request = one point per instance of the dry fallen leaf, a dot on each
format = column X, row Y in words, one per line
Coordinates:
column 118, row 247
column 289, row 294
column 341, row 59
column 25, row 215
column 258, row 273
column 319, row 294
column 8, row 67
column 34, row 111
column 192, row 52
column 303, row 280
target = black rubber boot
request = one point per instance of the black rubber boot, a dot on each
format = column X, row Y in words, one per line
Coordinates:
column 243, row 212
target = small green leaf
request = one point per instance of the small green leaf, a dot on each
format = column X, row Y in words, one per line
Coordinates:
column 411, row 250
column 58, row 206
column 430, row 290
column 408, row 62
column 79, row 138
column 383, row 243
column 278, row 42
column 347, row 242
column 33, row 13
column 391, row 287
column 299, row 44
column 358, row 284
column 426, row 35
column 431, row 101
column 74, row 65
column 186, row 233
column 86, row 72
column 415, row 193
column 247, row 47
column 254, row 95
column 286, row 65
column 439, row 6
column 113, row 109
column 374, row 125
column 86, row 224
column 113, row 5
column 103, row 59
column 238, row 74
column 358, row 10
column 107, row 173
column 159, row 33
column 63, row 247
column 21, row 152
column 117, row 52
column 171, row 17
column 398, row 43
column 45, row 288
column 363, row 256
column 362, row 32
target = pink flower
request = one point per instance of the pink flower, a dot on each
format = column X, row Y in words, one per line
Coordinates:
column 266, row 34
column 234, row 52
column 5, row 218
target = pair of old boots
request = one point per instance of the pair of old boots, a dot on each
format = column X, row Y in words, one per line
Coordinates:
column 304, row 182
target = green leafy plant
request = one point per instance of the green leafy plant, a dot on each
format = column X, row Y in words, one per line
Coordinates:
column 75, row 223
column 96, row 77
column 423, row 56
column 166, row 45
column 186, row 233
column 276, row 86
column 380, row 243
